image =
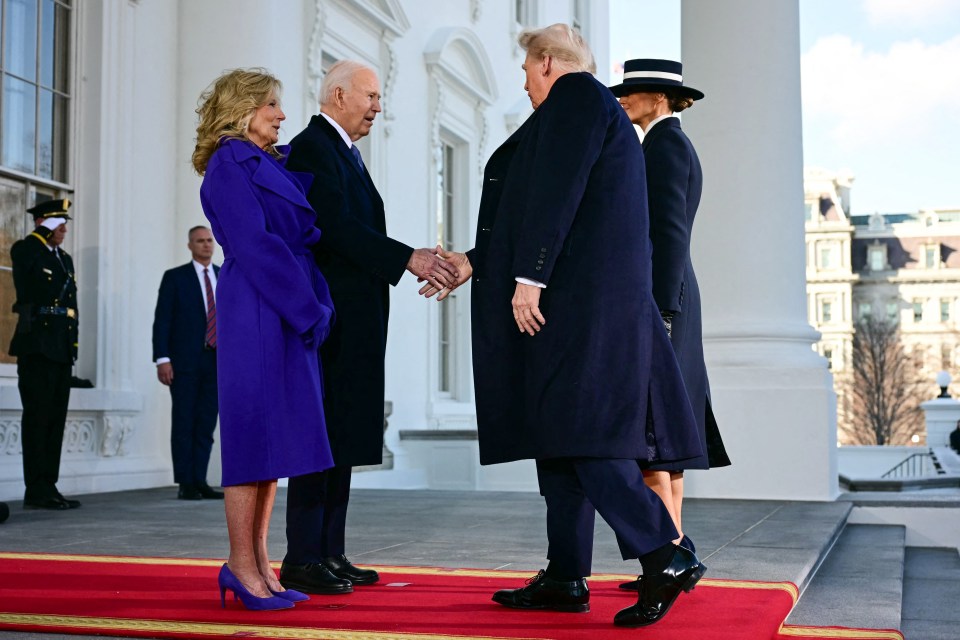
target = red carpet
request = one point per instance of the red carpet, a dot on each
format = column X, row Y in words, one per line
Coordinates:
column 178, row 598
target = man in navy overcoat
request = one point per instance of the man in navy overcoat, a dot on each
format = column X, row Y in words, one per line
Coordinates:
column 186, row 360
column 580, row 377
column 359, row 262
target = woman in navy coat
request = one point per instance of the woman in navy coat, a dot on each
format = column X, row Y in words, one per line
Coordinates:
column 651, row 92
column 572, row 365
column 273, row 309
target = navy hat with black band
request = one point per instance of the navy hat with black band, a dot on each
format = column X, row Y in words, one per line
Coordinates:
column 652, row 75
column 51, row 209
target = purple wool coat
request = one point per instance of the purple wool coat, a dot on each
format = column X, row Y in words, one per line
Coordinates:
column 273, row 312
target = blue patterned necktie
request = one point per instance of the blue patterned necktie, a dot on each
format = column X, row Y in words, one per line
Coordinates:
column 356, row 156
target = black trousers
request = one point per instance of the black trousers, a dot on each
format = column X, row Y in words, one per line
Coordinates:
column 317, row 515
column 45, row 393
column 575, row 489
column 194, row 399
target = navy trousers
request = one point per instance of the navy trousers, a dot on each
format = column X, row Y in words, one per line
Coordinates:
column 575, row 489
column 194, row 398
column 317, row 515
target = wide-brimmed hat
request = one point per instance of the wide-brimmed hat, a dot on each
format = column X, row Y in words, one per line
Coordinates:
column 651, row 74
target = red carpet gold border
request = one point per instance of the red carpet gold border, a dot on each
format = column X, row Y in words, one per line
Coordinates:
column 412, row 571
column 201, row 629
column 789, row 631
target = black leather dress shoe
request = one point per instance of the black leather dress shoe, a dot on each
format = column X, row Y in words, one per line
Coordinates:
column 208, row 492
column 634, row 585
column 542, row 592
column 188, row 492
column 50, row 504
column 342, row 568
column 72, row 504
column 313, row 578
column 659, row 591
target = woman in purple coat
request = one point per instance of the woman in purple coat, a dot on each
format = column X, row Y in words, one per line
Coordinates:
column 274, row 310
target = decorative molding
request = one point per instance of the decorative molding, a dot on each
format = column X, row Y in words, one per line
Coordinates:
column 80, row 435
column 476, row 10
column 482, row 143
column 10, row 437
column 440, row 98
column 315, row 52
column 389, row 79
column 386, row 15
column 441, row 60
column 116, row 434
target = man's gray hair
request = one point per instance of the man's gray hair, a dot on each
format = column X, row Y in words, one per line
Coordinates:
column 340, row 75
column 561, row 42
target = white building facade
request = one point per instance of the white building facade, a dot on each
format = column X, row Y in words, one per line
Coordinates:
column 98, row 105
column 111, row 125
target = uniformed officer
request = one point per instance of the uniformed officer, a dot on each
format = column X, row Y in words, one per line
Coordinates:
column 45, row 344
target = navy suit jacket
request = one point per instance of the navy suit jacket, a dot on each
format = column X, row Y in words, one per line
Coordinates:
column 180, row 320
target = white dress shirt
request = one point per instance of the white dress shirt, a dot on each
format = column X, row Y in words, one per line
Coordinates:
column 203, row 289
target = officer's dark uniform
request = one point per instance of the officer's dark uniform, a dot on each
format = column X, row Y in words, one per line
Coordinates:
column 45, row 344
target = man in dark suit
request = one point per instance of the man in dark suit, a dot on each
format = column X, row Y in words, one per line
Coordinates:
column 581, row 376
column 359, row 262
column 184, row 350
column 45, row 344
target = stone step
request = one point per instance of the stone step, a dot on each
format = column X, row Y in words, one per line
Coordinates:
column 860, row 582
column 931, row 592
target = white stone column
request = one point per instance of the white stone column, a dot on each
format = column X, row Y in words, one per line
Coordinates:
column 772, row 395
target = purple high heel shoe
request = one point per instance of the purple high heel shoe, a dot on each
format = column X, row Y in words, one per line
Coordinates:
column 291, row 595
column 227, row 580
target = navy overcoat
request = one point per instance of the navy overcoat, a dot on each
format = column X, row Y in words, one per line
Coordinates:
column 360, row 263
column 273, row 311
column 674, row 183
column 564, row 202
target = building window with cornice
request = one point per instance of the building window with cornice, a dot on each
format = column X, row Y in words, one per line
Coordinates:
column 865, row 310
column 35, row 133
column 877, row 257
column 945, row 304
column 893, row 311
column 828, row 354
column 826, row 311
column 918, row 310
column 931, row 256
column 829, row 255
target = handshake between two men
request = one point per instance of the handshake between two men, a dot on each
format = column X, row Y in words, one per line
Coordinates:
column 443, row 271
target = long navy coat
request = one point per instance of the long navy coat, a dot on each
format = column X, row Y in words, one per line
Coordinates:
column 273, row 311
column 564, row 203
column 359, row 262
column 675, row 182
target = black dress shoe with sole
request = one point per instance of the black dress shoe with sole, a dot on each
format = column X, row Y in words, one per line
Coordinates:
column 658, row 592
column 543, row 592
column 188, row 492
column 342, row 568
column 208, row 492
column 50, row 504
column 71, row 504
column 313, row 578
column 634, row 585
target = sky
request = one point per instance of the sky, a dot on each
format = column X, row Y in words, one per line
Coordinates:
column 880, row 81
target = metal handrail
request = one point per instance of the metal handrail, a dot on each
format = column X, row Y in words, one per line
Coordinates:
column 916, row 465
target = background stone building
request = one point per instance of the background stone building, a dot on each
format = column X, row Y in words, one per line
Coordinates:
column 900, row 267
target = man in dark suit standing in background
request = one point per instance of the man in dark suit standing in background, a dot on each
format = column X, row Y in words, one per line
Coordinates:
column 184, row 350
column 359, row 261
column 45, row 344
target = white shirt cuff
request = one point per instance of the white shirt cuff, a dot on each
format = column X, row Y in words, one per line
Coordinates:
column 161, row 361
column 532, row 283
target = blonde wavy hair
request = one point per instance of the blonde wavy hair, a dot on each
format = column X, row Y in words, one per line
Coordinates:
column 226, row 108
column 561, row 42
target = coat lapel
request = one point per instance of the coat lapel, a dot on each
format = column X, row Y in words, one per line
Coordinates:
column 344, row 152
column 659, row 128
